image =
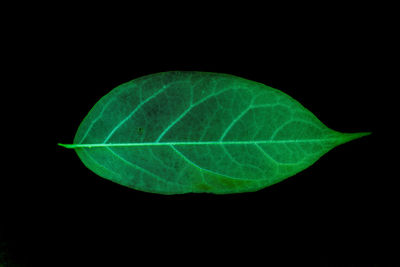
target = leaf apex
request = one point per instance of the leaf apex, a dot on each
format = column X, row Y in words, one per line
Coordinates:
column 352, row 136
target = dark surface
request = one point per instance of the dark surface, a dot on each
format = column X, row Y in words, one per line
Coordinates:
column 340, row 210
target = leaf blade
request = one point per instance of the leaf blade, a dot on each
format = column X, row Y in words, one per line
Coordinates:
column 200, row 132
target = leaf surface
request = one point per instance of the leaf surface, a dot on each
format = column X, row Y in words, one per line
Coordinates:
column 179, row 132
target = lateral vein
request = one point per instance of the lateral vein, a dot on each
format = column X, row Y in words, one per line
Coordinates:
column 135, row 110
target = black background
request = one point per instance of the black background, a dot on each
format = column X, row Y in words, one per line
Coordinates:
column 340, row 210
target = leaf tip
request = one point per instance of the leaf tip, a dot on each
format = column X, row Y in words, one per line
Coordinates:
column 352, row 136
column 365, row 134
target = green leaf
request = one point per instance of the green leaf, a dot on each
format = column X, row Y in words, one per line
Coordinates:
column 179, row 132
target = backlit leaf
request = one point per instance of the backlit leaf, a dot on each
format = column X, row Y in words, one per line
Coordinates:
column 179, row 132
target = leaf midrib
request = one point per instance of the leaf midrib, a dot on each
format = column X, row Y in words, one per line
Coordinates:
column 202, row 143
